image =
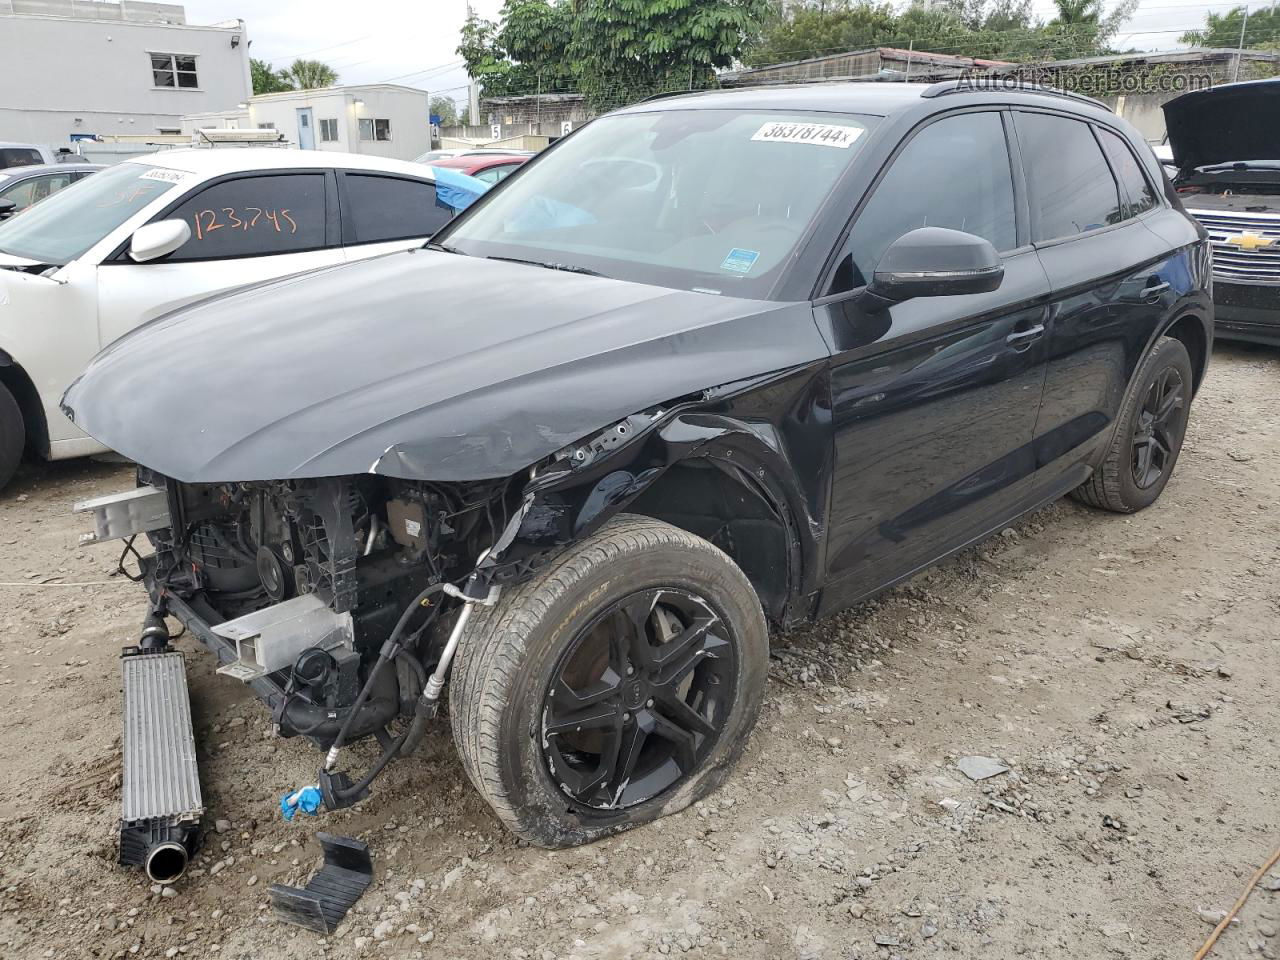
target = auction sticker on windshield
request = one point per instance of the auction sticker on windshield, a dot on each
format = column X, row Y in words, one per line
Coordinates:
column 739, row 260
column 823, row 134
column 160, row 173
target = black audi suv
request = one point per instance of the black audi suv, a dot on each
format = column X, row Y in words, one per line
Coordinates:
column 711, row 363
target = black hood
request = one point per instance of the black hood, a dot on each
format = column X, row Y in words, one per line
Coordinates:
column 1235, row 122
column 420, row 365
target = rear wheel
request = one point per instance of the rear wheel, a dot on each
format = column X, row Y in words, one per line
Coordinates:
column 1148, row 436
column 13, row 436
column 616, row 687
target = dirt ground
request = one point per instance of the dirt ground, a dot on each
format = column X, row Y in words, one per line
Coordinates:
column 1122, row 667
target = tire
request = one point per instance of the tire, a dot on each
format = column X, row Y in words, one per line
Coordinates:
column 13, row 436
column 1144, row 448
column 526, row 752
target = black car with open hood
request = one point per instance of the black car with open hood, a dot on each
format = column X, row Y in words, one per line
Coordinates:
column 1226, row 146
column 710, row 364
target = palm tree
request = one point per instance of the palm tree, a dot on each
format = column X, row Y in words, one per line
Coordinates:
column 309, row 74
column 1072, row 12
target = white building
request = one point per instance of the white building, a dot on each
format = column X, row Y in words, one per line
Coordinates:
column 378, row 119
column 71, row 67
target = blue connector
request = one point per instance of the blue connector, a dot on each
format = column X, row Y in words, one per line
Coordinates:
column 307, row 800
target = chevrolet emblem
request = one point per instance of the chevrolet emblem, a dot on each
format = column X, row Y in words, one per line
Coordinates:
column 1249, row 240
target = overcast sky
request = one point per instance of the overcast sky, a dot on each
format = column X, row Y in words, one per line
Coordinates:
column 413, row 42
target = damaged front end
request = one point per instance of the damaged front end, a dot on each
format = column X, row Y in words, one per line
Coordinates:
column 342, row 600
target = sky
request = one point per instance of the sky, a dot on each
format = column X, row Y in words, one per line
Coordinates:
column 414, row 42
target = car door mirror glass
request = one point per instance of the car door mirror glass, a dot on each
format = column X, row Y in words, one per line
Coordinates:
column 934, row 262
column 156, row 240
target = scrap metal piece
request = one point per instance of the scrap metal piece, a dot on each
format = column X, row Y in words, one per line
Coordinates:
column 161, row 804
column 270, row 639
column 325, row 900
column 127, row 514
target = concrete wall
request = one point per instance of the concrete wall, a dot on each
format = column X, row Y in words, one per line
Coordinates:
column 407, row 108
column 61, row 75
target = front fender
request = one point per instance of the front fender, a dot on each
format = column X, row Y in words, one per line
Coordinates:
column 730, row 431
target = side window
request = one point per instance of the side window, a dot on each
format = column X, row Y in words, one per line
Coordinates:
column 1139, row 197
column 494, row 174
column 36, row 188
column 388, row 208
column 1070, row 184
column 954, row 173
column 253, row 217
column 18, row 157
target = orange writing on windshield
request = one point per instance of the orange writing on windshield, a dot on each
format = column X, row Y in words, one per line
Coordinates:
column 243, row 218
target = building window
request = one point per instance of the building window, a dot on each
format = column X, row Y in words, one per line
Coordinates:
column 329, row 131
column 173, row 70
column 375, row 129
column 266, row 126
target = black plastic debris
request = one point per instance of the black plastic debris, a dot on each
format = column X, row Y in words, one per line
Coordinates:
column 325, row 900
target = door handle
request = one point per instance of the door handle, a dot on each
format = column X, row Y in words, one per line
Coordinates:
column 1023, row 338
column 1155, row 289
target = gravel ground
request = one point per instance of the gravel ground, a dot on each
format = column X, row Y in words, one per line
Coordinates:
column 1122, row 668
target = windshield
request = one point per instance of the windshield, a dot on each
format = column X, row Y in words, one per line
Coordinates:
column 709, row 200
column 59, row 229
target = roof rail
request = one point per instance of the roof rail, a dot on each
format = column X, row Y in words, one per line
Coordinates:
column 676, row 93
column 976, row 84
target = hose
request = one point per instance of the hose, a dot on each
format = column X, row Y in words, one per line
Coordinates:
column 390, row 650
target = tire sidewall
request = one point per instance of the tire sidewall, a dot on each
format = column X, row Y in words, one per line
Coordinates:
column 12, row 436
column 1167, row 353
column 529, row 785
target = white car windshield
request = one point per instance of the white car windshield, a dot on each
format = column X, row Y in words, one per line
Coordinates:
column 710, row 200
column 60, row 228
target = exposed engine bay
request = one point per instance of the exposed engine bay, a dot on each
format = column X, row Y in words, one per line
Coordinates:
column 1232, row 191
column 334, row 598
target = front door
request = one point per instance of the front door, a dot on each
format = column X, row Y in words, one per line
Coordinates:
column 934, row 400
column 306, row 135
column 244, row 229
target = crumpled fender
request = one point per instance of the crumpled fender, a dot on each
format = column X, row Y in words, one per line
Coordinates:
column 582, row 491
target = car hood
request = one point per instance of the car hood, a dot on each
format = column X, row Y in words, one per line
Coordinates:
column 419, row 365
column 1224, row 124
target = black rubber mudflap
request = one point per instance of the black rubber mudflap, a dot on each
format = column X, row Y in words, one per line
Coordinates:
column 325, row 900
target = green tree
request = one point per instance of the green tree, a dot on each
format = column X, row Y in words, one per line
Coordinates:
column 622, row 50
column 484, row 56
column 1223, row 29
column 813, row 31
column 310, row 74
column 267, row 80
column 445, row 109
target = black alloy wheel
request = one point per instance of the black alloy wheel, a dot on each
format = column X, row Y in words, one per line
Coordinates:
column 1157, row 428
column 638, row 699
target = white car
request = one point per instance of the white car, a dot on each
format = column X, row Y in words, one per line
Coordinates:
column 150, row 234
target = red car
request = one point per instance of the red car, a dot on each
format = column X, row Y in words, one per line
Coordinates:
column 490, row 167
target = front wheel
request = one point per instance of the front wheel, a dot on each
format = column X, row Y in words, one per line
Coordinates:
column 1148, row 435
column 13, row 436
column 615, row 687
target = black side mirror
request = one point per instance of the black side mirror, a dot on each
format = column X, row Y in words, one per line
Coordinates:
column 7, row 207
column 933, row 262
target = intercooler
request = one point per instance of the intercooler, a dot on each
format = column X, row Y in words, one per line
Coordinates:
column 161, row 804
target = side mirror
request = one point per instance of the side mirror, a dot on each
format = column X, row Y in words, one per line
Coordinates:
column 933, row 262
column 7, row 207
column 156, row 240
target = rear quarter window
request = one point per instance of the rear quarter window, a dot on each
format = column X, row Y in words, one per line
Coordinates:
column 1139, row 197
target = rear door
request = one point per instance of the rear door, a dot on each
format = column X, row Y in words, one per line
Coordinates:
column 1110, row 277
column 934, row 400
column 245, row 228
column 383, row 212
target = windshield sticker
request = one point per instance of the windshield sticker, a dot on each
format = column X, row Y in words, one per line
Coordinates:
column 822, row 134
column 740, row 261
column 160, row 173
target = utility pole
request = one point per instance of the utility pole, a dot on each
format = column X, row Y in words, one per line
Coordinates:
column 910, row 50
column 1240, row 49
